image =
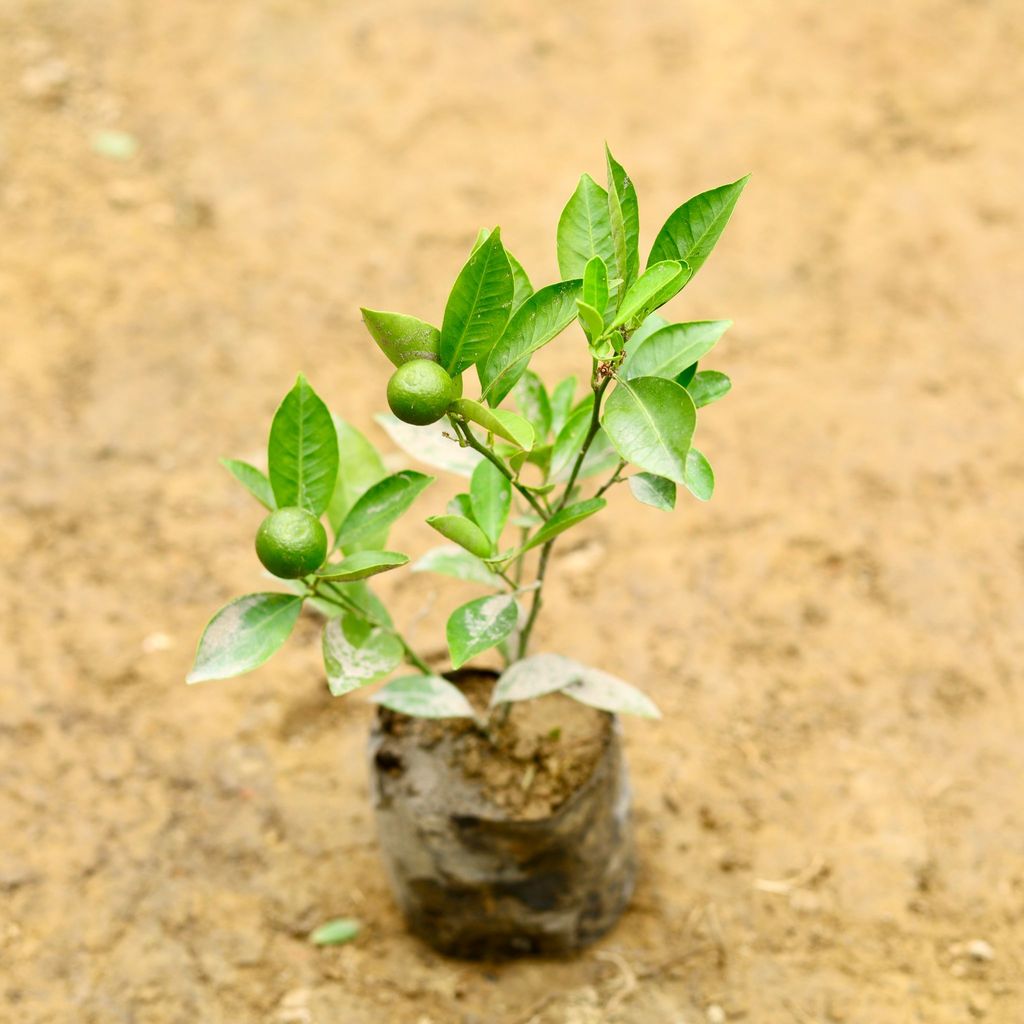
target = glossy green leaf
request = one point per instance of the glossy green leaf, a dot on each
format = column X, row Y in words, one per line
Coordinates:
column 360, row 594
column 424, row 697
column 596, row 293
column 356, row 653
column 584, row 229
column 380, row 506
column 521, row 282
column 430, row 446
column 359, row 468
column 335, row 933
column 541, row 317
column 478, row 307
column 691, row 232
column 463, row 532
column 645, row 293
column 302, row 453
column 686, row 376
column 479, row 625
column 700, row 478
column 624, row 217
column 653, row 490
column 650, row 421
column 601, row 690
column 252, row 479
column 672, row 349
column 708, row 386
column 562, row 521
column 362, row 565
column 532, row 399
column 491, row 497
column 458, row 564
column 535, row 676
column 460, row 505
column 402, row 338
column 495, row 421
column 562, row 402
column 652, row 323
column 593, row 322
column 243, row 634
column 602, row 349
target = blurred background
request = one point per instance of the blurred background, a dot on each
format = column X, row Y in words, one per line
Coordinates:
column 195, row 199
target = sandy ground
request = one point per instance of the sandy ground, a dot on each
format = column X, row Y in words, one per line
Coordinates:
column 831, row 815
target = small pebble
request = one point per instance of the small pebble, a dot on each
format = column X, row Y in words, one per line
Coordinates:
column 715, row 1014
column 980, row 950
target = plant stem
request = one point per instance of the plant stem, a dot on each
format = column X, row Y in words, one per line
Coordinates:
column 613, row 479
column 465, row 432
column 545, row 552
column 340, row 600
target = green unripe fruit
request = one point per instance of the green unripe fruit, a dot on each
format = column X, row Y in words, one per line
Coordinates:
column 420, row 391
column 291, row 542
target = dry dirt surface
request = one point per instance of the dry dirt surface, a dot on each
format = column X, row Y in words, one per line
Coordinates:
column 196, row 197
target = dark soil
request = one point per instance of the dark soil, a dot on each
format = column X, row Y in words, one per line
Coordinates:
column 531, row 760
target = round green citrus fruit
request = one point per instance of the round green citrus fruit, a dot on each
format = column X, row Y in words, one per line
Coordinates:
column 420, row 391
column 291, row 542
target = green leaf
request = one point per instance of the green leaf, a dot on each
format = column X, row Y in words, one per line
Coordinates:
column 562, row 521
column 335, row 933
column 359, row 468
column 691, row 232
column 646, row 292
column 595, row 286
column 430, row 446
column 491, row 496
column 424, row 697
column 541, row 317
column 302, row 453
column 700, row 478
column 495, row 422
column 534, row 677
column 361, row 565
column 606, row 692
column 686, row 376
column 252, row 479
column 356, row 653
column 360, row 594
column 708, row 386
column 653, row 323
column 593, row 322
column 523, row 288
column 479, row 625
column 379, row 507
column 653, row 490
column 458, row 564
column 624, row 217
column 478, row 307
column 532, row 398
column 584, row 229
column 650, row 421
column 561, row 403
column 602, row 348
column 460, row 505
column 463, row 532
column 243, row 634
column 672, row 349
column 402, row 338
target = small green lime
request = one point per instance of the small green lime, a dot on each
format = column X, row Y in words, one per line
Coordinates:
column 291, row 542
column 420, row 391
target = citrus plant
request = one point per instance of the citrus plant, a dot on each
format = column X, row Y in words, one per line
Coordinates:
column 538, row 461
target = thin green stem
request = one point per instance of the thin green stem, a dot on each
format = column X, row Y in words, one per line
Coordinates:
column 613, row 479
column 466, row 434
column 599, row 386
column 341, row 600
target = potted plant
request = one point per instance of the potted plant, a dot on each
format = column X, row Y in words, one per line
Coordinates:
column 501, row 797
